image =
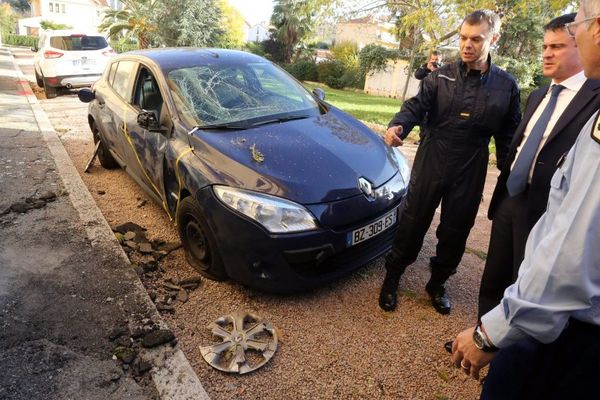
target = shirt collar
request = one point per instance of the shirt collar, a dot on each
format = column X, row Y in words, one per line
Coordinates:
column 574, row 82
column 464, row 68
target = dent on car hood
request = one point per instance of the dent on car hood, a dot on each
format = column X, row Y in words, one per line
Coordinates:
column 312, row 160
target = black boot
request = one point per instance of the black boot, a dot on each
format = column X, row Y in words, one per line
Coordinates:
column 439, row 297
column 388, row 298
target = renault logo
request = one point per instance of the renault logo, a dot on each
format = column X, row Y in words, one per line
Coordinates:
column 365, row 186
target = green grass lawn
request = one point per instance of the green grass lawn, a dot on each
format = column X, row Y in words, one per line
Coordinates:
column 374, row 109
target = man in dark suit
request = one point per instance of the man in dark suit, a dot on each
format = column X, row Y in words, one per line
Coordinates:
column 552, row 120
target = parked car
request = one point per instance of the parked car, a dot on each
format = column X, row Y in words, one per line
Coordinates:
column 69, row 59
column 267, row 183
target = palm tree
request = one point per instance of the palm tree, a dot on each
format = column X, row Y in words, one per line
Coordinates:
column 293, row 22
column 134, row 20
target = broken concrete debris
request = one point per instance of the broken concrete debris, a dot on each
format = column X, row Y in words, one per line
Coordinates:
column 145, row 256
column 157, row 337
column 30, row 203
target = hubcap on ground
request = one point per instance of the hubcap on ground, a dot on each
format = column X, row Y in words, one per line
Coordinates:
column 248, row 342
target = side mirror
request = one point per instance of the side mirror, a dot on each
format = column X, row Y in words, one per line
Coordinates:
column 86, row 95
column 319, row 93
column 148, row 120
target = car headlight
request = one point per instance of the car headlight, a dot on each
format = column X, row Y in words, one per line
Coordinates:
column 403, row 166
column 275, row 214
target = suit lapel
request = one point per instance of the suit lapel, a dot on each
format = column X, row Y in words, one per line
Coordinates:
column 586, row 94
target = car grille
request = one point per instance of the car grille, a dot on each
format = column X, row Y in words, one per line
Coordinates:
column 347, row 260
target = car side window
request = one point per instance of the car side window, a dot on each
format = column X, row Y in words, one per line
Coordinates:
column 111, row 73
column 122, row 81
column 147, row 93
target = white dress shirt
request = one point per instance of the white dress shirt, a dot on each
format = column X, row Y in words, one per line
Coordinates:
column 572, row 86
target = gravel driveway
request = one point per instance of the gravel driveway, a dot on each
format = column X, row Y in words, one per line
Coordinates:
column 335, row 342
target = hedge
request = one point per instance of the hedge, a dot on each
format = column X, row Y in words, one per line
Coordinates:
column 122, row 47
column 331, row 73
column 303, row 70
column 20, row 40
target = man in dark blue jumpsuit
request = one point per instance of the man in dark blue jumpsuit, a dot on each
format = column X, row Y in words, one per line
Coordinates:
column 467, row 102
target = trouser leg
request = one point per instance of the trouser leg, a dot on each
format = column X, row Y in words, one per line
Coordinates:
column 459, row 209
column 421, row 202
column 505, row 252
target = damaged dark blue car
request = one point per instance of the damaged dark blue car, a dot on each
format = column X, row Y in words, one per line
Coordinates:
column 268, row 184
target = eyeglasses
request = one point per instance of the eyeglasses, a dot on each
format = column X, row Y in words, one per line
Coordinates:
column 570, row 26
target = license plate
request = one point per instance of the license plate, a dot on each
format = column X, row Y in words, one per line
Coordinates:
column 373, row 229
column 84, row 62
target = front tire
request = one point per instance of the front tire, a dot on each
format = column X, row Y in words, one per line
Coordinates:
column 106, row 159
column 198, row 242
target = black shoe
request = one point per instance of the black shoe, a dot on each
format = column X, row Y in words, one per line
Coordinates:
column 388, row 298
column 439, row 299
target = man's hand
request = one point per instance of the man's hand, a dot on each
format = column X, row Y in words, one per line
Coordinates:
column 431, row 67
column 392, row 136
column 467, row 356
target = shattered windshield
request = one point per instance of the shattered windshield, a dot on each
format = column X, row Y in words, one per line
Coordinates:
column 224, row 94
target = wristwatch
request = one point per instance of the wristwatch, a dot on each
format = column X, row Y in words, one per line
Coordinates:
column 481, row 340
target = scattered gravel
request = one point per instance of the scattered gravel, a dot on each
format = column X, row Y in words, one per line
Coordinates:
column 335, row 342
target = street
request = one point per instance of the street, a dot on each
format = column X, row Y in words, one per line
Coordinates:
column 335, row 342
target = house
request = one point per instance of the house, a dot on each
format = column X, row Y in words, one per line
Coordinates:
column 84, row 15
column 257, row 32
column 367, row 30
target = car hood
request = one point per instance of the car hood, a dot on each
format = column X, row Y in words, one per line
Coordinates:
column 313, row 160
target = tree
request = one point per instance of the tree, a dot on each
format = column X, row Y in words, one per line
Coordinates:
column 189, row 23
column 8, row 19
column 135, row 20
column 21, row 6
column 233, row 22
column 294, row 21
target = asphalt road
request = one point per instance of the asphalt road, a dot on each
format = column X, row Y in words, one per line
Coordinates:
column 334, row 341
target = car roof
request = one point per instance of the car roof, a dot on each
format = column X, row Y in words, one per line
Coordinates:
column 169, row 58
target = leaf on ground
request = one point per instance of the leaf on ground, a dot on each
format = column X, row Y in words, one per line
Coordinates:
column 478, row 253
column 443, row 374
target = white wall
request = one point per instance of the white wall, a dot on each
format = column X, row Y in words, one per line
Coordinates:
column 257, row 33
column 80, row 14
column 391, row 82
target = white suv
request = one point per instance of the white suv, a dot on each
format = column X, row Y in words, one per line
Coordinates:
column 69, row 59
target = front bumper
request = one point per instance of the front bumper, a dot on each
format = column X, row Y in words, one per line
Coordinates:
column 286, row 263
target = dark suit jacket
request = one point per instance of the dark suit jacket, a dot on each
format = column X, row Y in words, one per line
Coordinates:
column 559, row 142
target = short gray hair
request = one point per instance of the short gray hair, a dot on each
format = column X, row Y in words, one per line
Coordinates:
column 591, row 8
column 488, row 16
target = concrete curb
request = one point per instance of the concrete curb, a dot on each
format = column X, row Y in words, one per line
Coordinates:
column 172, row 373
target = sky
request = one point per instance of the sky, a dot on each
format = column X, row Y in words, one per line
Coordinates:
column 254, row 11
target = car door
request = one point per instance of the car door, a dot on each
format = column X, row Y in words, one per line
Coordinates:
column 123, row 115
column 150, row 141
column 108, row 106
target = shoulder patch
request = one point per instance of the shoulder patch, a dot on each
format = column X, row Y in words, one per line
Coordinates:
column 596, row 129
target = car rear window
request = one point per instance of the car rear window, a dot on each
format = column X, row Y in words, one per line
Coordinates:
column 78, row 42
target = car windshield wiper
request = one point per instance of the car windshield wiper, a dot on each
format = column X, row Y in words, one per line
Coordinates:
column 223, row 126
column 281, row 119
